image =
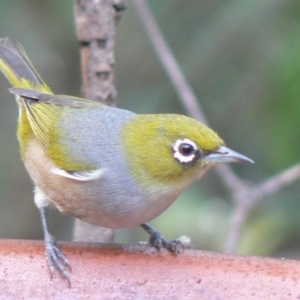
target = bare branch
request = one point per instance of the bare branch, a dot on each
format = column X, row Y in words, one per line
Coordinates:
column 185, row 92
column 95, row 27
column 277, row 182
column 247, row 197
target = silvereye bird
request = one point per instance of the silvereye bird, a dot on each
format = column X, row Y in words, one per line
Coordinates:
column 106, row 166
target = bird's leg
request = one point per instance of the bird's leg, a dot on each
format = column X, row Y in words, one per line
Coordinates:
column 55, row 258
column 158, row 241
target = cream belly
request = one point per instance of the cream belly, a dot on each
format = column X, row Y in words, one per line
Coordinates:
column 86, row 200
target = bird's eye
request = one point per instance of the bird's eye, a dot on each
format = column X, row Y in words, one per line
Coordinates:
column 185, row 151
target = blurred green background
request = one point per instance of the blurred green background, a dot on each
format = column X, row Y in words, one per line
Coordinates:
column 242, row 58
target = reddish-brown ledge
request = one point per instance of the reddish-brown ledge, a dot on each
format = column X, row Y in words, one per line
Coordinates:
column 140, row 272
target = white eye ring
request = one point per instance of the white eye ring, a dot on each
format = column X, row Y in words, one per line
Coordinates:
column 188, row 157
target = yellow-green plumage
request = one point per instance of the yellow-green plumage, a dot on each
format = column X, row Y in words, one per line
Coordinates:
column 36, row 119
column 153, row 137
column 44, row 116
column 55, row 149
column 43, row 119
column 24, row 131
column 21, row 79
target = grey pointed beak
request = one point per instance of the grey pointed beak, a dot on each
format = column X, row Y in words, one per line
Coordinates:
column 226, row 155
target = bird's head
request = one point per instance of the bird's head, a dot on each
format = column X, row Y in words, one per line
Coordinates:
column 169, row 149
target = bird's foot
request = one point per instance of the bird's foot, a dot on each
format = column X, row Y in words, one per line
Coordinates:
column 55, row 258
column 158, row 241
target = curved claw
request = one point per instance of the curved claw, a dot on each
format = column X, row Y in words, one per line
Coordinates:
column 158, row 241
column 55, row 258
